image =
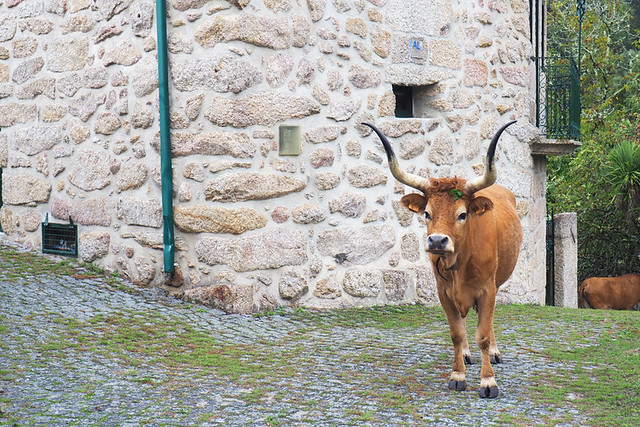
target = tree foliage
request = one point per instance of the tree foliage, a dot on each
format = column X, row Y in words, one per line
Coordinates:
column 601, row 181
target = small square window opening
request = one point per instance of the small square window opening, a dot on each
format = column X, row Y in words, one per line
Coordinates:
column 404, row 101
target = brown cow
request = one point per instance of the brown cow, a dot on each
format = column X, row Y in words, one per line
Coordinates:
column 617, row 293
column 474, row 237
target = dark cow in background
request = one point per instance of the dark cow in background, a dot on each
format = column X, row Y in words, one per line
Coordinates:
column 617, row 293
column 474, row 237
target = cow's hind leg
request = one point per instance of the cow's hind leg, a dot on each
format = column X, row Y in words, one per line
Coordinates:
column 494, row 353
column 466, row 353
column 484, row 335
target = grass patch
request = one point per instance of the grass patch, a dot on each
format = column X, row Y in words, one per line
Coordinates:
column 139, row 337
column 384, row 318
column 22, row 264
column 26, row 264
column 3, row 325
column 606, row 374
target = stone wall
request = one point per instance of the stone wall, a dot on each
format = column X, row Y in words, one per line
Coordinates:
column 254, row 229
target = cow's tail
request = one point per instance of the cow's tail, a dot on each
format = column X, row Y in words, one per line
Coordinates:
column 583, row 300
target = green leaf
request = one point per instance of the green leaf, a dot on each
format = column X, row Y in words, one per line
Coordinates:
column 457, row 194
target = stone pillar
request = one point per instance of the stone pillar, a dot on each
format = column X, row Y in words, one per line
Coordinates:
column 566, row 259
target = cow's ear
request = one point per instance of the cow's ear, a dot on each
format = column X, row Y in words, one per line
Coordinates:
column 414, row 202
column 480, row 205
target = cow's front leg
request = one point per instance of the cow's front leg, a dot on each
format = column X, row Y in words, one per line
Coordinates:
column 485, row 339
column 457, row 380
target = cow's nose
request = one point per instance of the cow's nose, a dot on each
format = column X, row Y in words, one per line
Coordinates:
column 437, row 242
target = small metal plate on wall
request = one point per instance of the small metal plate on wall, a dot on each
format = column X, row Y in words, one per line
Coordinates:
column 290, row 141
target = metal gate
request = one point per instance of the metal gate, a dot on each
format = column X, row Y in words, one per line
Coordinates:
column 550, row 286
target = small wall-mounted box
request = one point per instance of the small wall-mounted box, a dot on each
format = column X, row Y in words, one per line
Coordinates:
column 59, row 239
column 290, row 143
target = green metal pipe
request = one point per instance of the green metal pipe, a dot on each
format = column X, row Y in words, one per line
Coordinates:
column 166, row 175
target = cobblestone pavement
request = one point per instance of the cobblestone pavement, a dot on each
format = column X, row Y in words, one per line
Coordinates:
column 314, row 371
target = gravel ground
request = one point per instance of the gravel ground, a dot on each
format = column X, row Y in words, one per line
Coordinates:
column 333, row 373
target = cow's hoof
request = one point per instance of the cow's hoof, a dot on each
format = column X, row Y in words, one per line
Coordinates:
column 457, row 385
column 467, row 360
column 489, row 392
column 495, row 359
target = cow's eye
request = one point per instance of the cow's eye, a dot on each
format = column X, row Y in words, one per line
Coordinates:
column 462, row 216
column 427, row 216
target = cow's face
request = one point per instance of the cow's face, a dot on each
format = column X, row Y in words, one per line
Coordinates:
column 448, row 203
column 447, row 210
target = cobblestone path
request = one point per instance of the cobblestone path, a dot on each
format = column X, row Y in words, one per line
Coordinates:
column 81, row 350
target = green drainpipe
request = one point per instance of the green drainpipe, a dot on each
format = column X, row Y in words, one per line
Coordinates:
column 166, row 174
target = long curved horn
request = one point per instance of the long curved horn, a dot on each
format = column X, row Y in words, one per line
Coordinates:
column 490, row 174
column 411, row 180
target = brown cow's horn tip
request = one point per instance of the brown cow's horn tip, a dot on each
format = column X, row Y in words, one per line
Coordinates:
column 411, row 180
column 490, row 175
column 385, row 142
column 368, row 124
column 494, row 141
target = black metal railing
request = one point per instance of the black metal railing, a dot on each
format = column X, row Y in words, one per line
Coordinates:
column 558, row 98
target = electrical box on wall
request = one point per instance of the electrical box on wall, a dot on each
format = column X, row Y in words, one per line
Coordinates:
column 290, row 143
